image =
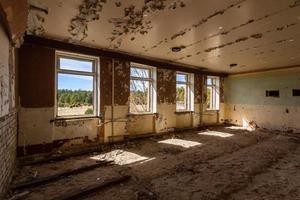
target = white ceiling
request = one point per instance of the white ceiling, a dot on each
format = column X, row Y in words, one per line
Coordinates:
column 260, row 34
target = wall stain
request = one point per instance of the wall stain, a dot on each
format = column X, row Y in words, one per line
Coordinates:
column 89, row 11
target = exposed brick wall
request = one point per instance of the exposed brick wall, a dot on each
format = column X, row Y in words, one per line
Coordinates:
column 8, row 140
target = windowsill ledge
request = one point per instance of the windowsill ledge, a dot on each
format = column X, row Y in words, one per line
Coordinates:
column 184, row 112
column 140, row 114
column 57, row 119
column 212, row 111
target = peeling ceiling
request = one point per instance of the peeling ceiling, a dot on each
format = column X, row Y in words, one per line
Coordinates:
column 229, row 36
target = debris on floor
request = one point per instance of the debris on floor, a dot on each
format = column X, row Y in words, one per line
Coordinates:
column 218, row 163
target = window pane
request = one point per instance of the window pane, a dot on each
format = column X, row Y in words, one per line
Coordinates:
column 76, row 65
column 209, row 100
column 209, row 81
column 75, row 95
column 181, row 77
column 139, row 96
column 141, row 73
column 181, row 100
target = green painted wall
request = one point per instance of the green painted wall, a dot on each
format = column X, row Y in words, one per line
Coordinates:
column 251, row 89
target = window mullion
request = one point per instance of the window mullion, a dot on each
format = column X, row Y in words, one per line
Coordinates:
column 76, row 72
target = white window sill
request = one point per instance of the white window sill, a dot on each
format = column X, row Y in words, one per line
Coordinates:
column 140, row 114
column 183, row 111
column 212, row 110
column 74, row 118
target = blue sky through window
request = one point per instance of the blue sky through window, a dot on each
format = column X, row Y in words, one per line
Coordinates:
column 181, row 77
column 75, row 82
column 76, row 65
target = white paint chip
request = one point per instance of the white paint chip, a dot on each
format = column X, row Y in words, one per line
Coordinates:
column 179, row 142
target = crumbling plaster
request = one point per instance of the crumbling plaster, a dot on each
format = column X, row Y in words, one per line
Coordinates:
column 4, row 74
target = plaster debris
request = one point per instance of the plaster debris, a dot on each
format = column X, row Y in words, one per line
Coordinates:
column 36, row 18
column 89, row 11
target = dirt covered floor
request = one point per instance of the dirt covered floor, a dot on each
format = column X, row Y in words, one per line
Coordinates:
column 217, row 163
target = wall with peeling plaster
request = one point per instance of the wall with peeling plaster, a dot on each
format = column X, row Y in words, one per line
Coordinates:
column 246, row 101
column 40, row 132
column 8, row 116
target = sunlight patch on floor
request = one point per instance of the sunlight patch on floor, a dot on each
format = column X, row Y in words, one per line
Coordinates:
column 216, row 133
column 237, row 128
column 121, row 157
column 179, row 142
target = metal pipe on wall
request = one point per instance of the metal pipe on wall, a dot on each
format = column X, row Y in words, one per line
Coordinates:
column 112, row 99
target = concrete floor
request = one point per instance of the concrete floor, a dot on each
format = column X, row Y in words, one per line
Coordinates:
column 218, row 163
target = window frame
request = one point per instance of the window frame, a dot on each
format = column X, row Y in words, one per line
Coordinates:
column 96, row 80
column 215, row 93
column 189, row 83
column 151, row 90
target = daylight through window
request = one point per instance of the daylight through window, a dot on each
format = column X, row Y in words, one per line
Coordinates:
column 213, row 93
column 142, row 89
column 184, row 91
column 76, row 90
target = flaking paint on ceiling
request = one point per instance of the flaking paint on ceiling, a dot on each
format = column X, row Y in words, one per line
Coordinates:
column 213, row 34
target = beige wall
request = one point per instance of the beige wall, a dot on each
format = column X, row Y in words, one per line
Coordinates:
column 246, row 100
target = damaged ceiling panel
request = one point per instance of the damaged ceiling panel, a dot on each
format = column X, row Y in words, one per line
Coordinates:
column 252, row 34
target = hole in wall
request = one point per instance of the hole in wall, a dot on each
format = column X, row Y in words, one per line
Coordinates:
column 232, row 65
column 272, row 93
column 296, row 92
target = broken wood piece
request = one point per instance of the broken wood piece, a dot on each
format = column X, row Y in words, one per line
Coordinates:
column 21, row 195
column 82, row 192
column 44, row 180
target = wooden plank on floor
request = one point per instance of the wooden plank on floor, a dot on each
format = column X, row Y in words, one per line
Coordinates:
column 51, row 178
column 83, row 192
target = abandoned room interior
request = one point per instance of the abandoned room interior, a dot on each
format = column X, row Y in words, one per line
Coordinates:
column 150, row 99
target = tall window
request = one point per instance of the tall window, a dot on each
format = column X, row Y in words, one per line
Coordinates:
column 213, row 93
column 184, row 91
column 76, row 85
column 142, row 89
